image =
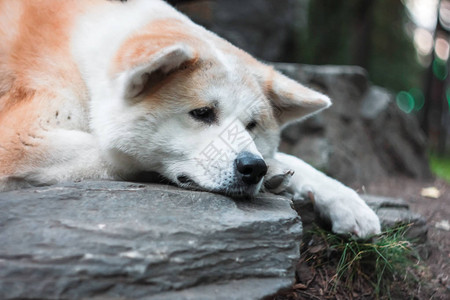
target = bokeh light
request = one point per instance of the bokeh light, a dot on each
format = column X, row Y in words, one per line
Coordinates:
column 423, row 12
column 419, row 98
column 405, row 101
column 447, row 95
column 444, row 14
column 440, row 69
column 423, row 41
column 413, row 100
column 441, row 48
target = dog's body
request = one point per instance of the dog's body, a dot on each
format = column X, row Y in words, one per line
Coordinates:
column 98, row 89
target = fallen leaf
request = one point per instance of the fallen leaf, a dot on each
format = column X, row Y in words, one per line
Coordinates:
column 444, row 225
column 317, row 249
column 430, row 192
column 300, row 286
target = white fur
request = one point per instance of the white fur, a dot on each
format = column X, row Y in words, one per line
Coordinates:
column 335, row 202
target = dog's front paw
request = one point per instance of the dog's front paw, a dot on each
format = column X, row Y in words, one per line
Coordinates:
column 348, row 213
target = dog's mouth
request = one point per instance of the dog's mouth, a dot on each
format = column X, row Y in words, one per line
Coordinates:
column 235, row 191
column 186, row 180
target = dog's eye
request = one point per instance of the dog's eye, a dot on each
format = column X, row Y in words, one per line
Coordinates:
column 250, row 126
column 204, row 114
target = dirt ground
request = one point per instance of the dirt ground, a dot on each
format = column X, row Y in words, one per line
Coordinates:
column 431, row 278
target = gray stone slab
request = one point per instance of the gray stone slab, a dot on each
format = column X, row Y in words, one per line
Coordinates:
column 376, row 102
column 233, row 290
column 377, row 202
column 394, row 211
column 119, row 240
column 367, row 137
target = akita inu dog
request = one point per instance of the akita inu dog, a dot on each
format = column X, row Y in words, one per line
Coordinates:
column 97, row 89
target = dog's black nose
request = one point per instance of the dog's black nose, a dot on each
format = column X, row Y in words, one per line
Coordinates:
column 251, row 166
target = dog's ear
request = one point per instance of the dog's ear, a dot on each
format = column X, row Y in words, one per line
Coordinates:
column 291, row 100
column 150, row 72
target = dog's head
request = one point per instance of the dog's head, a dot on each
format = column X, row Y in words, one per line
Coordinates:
column 197, row 110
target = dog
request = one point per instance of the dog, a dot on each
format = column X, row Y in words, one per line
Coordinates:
column 99, row 89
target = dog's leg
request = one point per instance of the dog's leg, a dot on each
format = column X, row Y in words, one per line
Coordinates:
column 339, row 204
column 69, row 155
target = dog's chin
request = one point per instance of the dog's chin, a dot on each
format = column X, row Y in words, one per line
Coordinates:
column 240, row 192
column 235, row 191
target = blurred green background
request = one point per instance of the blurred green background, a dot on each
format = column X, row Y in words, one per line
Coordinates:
column 404, row 46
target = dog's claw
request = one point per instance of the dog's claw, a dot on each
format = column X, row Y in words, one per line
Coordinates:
column 274, row 182
column 278, row 177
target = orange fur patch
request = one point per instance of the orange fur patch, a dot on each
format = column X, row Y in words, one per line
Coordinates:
column 14, row 140
column 154, row 37
column 35, row 64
